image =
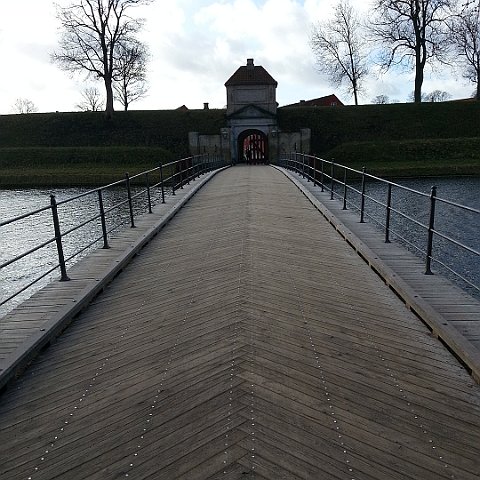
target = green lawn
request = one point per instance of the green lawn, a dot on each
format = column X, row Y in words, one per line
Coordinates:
column 83, row 148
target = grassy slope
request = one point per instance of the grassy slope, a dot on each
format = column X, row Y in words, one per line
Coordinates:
column 396, row 140
column 419, row 139
column 84, row 148
column 333, row 126
column 164, row 128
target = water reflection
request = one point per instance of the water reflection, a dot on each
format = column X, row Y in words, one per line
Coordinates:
column 29, row 232
column 452, row 222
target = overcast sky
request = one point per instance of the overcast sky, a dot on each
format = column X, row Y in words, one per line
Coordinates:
column 195, row 46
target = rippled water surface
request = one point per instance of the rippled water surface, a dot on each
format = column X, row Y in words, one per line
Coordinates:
column 26, row 234
column 453, row 222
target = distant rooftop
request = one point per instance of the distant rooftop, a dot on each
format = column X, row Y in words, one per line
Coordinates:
column 328, row 101
column 251, row 75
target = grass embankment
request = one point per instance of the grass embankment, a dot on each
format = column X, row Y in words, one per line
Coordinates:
column 75, row 166
column 396, row 140
column 85, row 149
column 412, row 158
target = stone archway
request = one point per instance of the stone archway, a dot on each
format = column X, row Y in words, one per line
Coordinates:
column 252, row 147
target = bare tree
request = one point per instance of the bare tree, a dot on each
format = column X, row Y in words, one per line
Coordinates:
column 91, row 100
column 411, row 33
column 381, row 100
column 92, row 31
column 130, row 79
column 23, row 105
column 411, row 97
column 465, row 37
column 437, row 96
column 339, row 48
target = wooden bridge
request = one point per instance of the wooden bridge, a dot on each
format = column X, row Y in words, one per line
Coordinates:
column 248, row 340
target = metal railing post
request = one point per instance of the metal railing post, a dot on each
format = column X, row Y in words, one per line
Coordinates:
column 332, row 172
column 130, row 203
column 431, row 227
column 362, row 201
column 389, row 209
column 322, row 178
column 149, row 197
column 173, row 176
column 58, row 240
column 344, row 189
column 161, row 183
column 102, row 219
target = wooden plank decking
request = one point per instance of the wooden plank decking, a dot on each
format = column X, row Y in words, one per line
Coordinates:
column 38, row 320
column 247, row 340
column 451, row 314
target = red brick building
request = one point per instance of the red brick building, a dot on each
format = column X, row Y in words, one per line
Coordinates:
column 328, row 101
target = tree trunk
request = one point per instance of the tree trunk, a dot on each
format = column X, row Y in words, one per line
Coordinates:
column 355, row 92
column 420, row 57
column 417, row 97
column 109, row 94
column 125, row 95
column 420, row 54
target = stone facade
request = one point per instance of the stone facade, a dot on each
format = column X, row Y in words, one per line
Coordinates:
column 251, row 121
column 251, row 85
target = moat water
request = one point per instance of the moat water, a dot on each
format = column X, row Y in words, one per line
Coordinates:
column 24, row 235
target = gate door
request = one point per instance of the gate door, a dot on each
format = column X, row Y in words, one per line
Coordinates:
column 253, row 147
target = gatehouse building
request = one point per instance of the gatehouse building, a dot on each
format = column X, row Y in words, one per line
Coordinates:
column 251, row 133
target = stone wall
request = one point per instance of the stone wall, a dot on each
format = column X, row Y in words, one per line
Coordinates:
column 211, row 144
column 225, row 143
column 281, row 143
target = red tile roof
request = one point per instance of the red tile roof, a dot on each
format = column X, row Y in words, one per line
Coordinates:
column 329, row 100
column 250, row 75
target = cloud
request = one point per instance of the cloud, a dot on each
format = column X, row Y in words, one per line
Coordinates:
column 195, row 46
column 217, row 37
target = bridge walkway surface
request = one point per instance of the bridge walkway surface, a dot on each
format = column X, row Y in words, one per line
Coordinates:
column 246, row 340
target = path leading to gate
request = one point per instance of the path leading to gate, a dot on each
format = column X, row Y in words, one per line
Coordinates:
column 247, row 340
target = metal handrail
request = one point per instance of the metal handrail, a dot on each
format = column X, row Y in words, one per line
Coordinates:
column 172, row 175
column 330, row 176
column 25, row 215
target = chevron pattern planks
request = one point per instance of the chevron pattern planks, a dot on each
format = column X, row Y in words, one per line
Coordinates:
column 246, row 341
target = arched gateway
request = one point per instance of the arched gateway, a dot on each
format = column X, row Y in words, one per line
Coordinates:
column 252, row 147
column 251, row 134
column 251, row 112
